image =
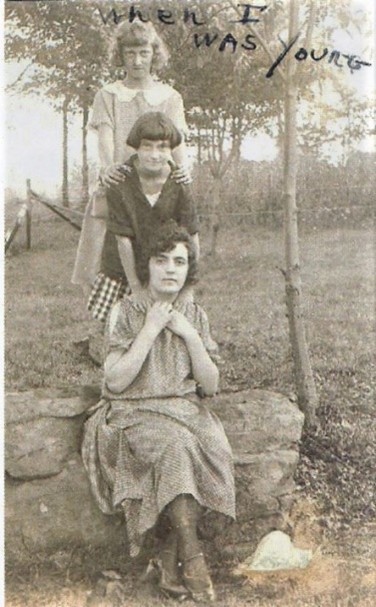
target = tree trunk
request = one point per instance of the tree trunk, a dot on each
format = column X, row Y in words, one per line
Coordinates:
column 199, row 148
column 271, row 215
column 85, row 166
column 65, row 192
column 307, row 396
column 214, row 219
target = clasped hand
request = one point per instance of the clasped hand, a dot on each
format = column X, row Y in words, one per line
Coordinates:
column 161, row 316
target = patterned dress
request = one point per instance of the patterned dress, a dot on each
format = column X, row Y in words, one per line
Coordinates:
column 157, row 440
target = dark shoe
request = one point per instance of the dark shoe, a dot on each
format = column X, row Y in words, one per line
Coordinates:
column 108, row 591
column 197, row 579
column 169, row 589
column 168, row 584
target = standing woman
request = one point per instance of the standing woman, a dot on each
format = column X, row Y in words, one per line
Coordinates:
column 138, row 48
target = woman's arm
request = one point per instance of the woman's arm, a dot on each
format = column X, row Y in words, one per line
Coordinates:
column 196, row 243
column 187, row 216
column 204, row 370
column 126, row 253
column 176, row 112
column 121, row 368
column 181, row 172
column 179, row 154
column 106, row 147
column 109, row 172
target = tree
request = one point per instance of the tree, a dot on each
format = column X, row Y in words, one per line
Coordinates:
column 67, row 48
column 307, row 395
column 326, row 95
column 230, row 85
column 298, row 90
column 223, row 109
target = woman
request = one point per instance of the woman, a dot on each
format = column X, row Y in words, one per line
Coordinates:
column 152, row 448
column 137, row 206
column 141, row 52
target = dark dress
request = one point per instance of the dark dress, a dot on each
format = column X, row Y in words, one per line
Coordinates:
column 131, row 215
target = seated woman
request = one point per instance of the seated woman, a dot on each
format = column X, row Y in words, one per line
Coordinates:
column 151, row 447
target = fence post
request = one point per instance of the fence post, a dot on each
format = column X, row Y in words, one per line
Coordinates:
column 28, row 214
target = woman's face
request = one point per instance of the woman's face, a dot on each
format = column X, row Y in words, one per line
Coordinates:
column 153, row 155
column 168, row 271
column 137, row 61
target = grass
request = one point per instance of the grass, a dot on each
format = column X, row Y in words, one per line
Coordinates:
column 242, row 290
column 44, row 312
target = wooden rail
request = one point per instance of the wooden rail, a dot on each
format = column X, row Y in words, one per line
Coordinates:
column 58, row 210
column 24, row 215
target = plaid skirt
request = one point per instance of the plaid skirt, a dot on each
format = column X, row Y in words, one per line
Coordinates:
column 104, row 294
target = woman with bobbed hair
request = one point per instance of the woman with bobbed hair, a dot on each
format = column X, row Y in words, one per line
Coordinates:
column 139, row 205
column 141, row 52
column 151, row 448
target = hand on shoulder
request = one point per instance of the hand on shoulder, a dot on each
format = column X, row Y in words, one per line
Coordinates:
column 115, row 174
column 180, row 173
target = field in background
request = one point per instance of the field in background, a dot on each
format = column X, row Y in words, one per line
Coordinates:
column 242, row 289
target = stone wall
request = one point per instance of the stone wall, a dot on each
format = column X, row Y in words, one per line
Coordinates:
column 48, row 504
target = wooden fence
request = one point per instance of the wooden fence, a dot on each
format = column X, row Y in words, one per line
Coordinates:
column 321, row 215
column 24, row 215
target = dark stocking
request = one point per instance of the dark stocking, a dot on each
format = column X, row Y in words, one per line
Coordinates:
column 184, row 512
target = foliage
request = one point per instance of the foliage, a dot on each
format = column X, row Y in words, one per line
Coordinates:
column 326, row 195
column 61, row 40
column 69, row 40
column 226, row 93
column 226, row 96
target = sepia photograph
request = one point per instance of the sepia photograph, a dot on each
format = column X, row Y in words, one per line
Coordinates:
column 189, row 303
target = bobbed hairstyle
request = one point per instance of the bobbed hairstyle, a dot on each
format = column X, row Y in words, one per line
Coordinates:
column 154, row 126
column 138, row 33
column 163, row 240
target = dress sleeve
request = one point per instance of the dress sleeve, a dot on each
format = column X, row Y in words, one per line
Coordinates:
column 102, row 111
column 204, row 331
column 119, row 331
column 118, row 219
column 187, row 210
column 176, row 112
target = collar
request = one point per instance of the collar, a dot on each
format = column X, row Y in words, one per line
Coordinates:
column 144, row 300
column 154, row 95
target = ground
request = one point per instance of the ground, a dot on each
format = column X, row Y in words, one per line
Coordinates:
column 242, row 289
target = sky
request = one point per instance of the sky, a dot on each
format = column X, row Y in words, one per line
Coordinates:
column 33, row 130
